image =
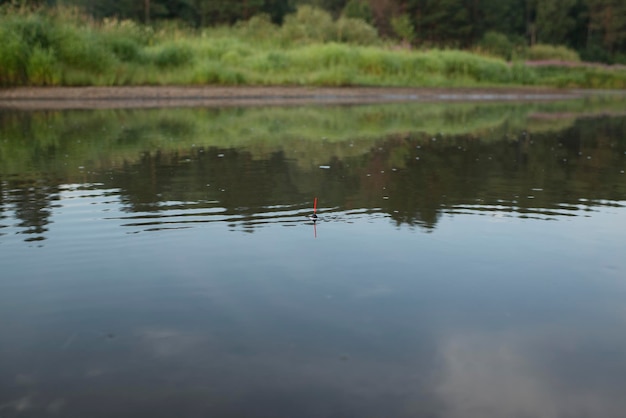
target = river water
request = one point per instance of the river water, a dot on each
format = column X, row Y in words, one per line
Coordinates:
column 467, row 261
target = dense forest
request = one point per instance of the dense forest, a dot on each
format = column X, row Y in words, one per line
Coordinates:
column 596, row 29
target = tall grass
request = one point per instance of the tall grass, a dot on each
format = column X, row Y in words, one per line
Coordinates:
column 62, row 47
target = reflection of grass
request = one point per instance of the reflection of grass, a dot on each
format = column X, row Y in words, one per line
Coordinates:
column 312, row 135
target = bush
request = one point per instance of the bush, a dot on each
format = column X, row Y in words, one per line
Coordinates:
column 541, row 52
column 82, row 49
column 308, row 24
column 34, row 29
column 125, row 49
column 172, row 55
column 128, row 29
column 13, row 58
column 356, row 31
column 403, row 28
column 423, row 62
column 619, row 58
column 358, row 9
column 42, row 67
column 259, row 27
column 497, row 44
column 595, row 53
column 271, row 62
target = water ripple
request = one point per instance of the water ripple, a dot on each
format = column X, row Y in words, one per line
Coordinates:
column 502, row 210
column 181, row 215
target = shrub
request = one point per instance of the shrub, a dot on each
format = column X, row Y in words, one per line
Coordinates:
column 82, row 49
column 34, row 29
column 620, row 58
column 497, row 44
column 13, row 58
column 128, row 29
column 595, row 53
column 541, row 52
column 356, row 31
column 403, row 28
column 308, row 24
column 172, row 55
column 358, row 9
column 125, row 49
column 42, row 67
column 273, row 62
column 259, row 27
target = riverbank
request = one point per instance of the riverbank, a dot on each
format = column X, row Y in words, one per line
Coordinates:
column 205, row 96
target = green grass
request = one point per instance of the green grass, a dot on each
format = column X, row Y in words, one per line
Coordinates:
column 62, row 47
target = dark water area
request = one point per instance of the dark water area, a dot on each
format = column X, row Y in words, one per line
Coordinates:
column 468, row 261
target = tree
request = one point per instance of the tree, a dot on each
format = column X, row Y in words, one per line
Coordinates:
column 403, row 27
column 358, row 9
column 443, row 22
column 553, row 21
column 502, row 16
column 607, row 23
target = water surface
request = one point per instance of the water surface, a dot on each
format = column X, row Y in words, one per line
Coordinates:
column 468, row 261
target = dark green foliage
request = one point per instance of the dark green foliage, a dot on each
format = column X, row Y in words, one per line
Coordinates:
column 14, row 56
column 403, row 28
column 82, row 49
column 309, row 24
column 125, row 49
column 497, row 44
column 442, row 22
column 596, row 29
column 358, row 9
column 356, row 31
column 172, row 55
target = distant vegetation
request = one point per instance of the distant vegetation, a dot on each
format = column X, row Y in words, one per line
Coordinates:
column 595, row 29
column 311, row 46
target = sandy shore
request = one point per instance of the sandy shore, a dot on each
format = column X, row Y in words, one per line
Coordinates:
column 207, row 96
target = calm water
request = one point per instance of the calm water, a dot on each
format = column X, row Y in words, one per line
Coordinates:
column 469, row 261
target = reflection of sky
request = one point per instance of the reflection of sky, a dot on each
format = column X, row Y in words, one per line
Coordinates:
column 484, row 317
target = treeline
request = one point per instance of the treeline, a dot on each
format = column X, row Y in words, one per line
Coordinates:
column 596, row 29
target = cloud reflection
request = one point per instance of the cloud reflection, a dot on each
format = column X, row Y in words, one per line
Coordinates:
column 505, row 375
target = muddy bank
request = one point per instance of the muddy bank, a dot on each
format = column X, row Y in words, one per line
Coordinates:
column 203, row 96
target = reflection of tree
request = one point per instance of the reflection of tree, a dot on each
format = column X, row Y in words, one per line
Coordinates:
column 243, row 186
column 31, row 201
column 527, row 173
column 414, row 177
